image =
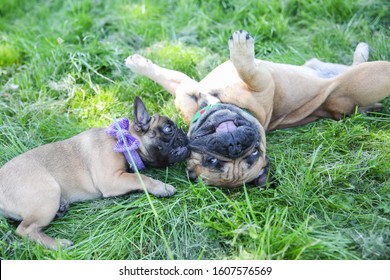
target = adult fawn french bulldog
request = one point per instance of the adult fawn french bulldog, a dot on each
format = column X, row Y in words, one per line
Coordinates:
column 41, row 183
column 230, row 110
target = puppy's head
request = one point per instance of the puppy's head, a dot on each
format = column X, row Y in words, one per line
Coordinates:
column 227, row 147
column 162, row 143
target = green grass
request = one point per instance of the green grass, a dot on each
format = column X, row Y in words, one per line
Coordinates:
column 61, row 72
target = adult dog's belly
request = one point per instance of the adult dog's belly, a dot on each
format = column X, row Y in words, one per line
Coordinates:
column 294, row 92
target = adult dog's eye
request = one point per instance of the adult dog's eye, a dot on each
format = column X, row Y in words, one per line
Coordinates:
column 213, row 163
column 253, row 156
column 212, row 160
column 167, row 129
column 255, row 152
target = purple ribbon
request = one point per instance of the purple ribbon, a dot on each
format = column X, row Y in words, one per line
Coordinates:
column 126, row 144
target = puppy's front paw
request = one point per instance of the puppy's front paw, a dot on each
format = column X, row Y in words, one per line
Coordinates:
column 138, row 64
column 241, row 44
column 163, row 190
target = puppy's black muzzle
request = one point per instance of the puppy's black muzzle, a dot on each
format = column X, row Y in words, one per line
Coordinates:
column 179, row 145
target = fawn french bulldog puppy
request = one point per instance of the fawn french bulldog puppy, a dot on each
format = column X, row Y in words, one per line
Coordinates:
column 41, row 183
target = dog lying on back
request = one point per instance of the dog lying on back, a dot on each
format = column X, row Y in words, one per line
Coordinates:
column 38, row 185
column 230, row 110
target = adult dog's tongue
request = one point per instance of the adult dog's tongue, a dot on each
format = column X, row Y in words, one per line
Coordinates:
column 228, row 126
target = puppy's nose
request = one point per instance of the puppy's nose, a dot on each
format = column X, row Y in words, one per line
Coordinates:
column 180, row 139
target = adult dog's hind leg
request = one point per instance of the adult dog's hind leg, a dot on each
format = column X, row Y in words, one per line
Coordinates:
column 364, row 85
column 361, row 53
column 329, row 70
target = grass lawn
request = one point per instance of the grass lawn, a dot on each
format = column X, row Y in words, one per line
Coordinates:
column 62, row 71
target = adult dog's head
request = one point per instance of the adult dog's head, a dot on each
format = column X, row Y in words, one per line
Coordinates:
column 227, row 147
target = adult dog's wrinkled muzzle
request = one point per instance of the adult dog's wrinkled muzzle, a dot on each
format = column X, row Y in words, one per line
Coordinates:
column 227, row 146
column 224, row 132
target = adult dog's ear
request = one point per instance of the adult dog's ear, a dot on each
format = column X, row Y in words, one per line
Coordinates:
column 141, row 116
column 265, row 178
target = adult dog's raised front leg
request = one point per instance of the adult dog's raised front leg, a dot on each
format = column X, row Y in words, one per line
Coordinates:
column 176, row 83
column 242, row 55
column 169, row 79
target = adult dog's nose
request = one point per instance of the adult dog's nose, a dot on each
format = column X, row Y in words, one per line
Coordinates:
column 235, row 149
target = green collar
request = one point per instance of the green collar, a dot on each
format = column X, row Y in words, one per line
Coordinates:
column 197, row 115
column 200, row 112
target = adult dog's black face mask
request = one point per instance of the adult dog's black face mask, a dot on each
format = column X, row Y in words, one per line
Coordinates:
column 227, row 147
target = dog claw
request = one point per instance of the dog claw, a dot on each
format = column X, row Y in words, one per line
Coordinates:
column 241, row 46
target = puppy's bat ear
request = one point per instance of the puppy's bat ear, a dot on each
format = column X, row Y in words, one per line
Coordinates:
column 265, row 178
column 141, row 116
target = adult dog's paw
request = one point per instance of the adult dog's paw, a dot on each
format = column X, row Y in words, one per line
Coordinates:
column 138, row 64
column 241, row 44
column 361, row 53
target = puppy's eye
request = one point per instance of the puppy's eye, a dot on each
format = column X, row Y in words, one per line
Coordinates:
column 255, row 152
column 167, row 129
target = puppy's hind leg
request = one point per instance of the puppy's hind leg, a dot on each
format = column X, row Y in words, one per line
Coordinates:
column 31, row 228
column 37, row 215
